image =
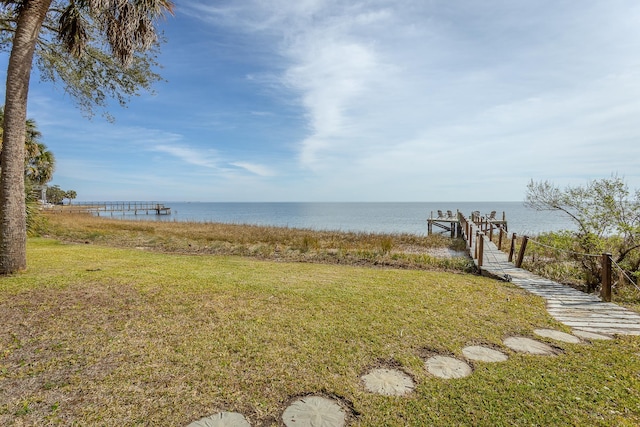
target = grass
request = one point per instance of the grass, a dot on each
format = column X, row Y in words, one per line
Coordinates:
column 96, row 335
column 274, row 243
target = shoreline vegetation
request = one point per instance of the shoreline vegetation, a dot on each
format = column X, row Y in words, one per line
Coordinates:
column 434, row 252
column 406, row 251
column 113, row 325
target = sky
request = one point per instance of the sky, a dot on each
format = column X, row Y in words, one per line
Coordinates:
column 368, row 100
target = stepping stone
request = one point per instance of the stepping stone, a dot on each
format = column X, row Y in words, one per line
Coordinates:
column 314, row 411
column 527, row 345
column 557, row 335
column 447, row 367
column 222, row 419
column 590, row 335
column 483, row 354
column 389, row 382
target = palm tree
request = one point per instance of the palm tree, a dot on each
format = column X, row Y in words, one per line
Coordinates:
column 126, row 26
column 39, row 168
column 39, row 162
column 70, row 194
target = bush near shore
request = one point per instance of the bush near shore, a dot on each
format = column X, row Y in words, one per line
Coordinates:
column 408, row 251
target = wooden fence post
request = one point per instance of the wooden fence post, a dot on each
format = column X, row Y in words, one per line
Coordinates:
column 480, row 249
column 523, row 248
column 465, row 228
column 605, row 292
column 512, row 250
column 491, row 231
column 500, row 239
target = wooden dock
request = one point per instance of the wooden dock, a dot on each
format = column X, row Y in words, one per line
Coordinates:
column 111, row 208
column 450, row 222
column 586, row 314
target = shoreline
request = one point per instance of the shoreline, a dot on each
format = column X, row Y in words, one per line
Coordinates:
column 404, row 251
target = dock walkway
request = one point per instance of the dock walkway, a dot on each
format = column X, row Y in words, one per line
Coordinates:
column 111, row 208
column 576, row 309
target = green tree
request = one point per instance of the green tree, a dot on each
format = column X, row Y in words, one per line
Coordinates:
column 607, row 218
column 70, row 195
column 97, row 48
column 55, row 194
column 39, row 162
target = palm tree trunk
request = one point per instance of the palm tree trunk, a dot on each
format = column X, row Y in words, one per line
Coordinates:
column 13, row 225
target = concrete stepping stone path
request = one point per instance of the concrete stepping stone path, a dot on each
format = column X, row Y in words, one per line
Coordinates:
column 557, row 335
column 314, row 411
column 590, row 335
column 319, row 411
column 222, row 419
column 483, row 354
column 529, row 346
column 447, row 367
column 388, row 382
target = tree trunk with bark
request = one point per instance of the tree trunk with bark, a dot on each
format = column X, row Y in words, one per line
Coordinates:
column 13, row 225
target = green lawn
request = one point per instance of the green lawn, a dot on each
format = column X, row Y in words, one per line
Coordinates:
column 101, row 336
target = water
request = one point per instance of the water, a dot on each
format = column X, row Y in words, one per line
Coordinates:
column 361, row 217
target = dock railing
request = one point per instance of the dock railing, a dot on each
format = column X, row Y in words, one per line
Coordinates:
column 479, row 232
column 518, row 250
column 111, row 208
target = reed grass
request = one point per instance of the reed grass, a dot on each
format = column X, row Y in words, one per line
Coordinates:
column 275, row 243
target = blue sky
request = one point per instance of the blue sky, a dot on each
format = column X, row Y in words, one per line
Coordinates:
column 371, row 100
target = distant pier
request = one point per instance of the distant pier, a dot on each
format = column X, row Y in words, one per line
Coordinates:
column 111, row 208
column 449, row 221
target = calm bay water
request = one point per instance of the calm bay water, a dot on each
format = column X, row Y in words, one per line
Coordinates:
column 361, row 217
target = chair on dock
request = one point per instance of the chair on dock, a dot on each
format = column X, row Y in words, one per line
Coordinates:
column 492, row 216
column 440, row 215
column 450, row 214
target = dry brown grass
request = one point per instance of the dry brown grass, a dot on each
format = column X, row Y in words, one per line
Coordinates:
column 273, row 243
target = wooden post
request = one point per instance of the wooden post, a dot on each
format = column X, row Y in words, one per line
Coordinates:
column 491, row 231
column 605, row 292
column 512, row 249
column 523, row 248
column 480, row 249
column 500, row 239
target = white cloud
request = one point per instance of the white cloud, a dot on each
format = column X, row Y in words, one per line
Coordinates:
column 398, row 99
column 256, row 169
column 405, row 87
column 206, row 158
